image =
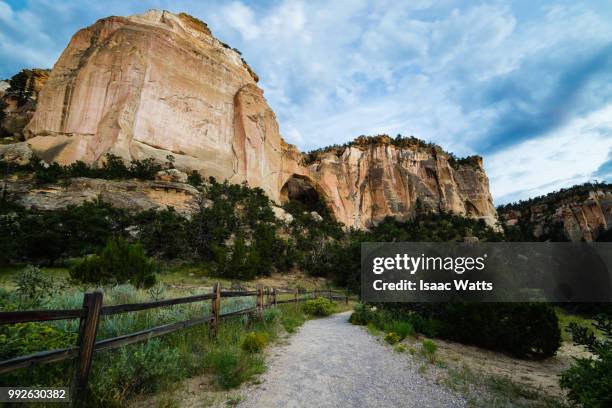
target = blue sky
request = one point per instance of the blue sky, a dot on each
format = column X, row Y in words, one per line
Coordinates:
column 527, row 85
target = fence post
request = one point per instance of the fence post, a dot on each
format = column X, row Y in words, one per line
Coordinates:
column 216, row 308
column 274, row 296
column 330, row 294
column 297, row 292
column 347, row 296
column 314, row 293
column 88, row 329
column 260, row 300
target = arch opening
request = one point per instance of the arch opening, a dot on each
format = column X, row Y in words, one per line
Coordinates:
column 302, row 190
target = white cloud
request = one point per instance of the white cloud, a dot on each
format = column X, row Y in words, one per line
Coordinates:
column 565, row 157
column 6, row 13
column 242, row 19
column 332, row 70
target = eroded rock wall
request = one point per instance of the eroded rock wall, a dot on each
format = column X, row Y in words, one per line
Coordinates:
column 151, row 85
column 131, row 195
column 160, row 84
column 366, row 184
column 578, row 218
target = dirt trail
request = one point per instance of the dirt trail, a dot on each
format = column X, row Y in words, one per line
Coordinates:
column 331, row 363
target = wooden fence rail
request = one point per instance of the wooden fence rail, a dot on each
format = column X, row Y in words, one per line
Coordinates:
column 93, row 311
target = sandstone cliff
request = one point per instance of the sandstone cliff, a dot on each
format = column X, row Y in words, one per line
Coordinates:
column 365, row 182
column 160, row 84
column 579, row 213
column 142, row 86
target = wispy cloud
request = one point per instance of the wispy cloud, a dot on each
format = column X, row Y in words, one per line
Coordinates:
column 569, row 155
column 523, row 84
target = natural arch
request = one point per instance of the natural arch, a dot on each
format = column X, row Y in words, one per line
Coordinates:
column 303, row 190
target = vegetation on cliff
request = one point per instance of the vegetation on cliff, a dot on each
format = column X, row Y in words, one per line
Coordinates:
column 537, row 218
column 112, row 168
column 23, row 85
column 402, row 142
column 577, row 192
column 18, row 101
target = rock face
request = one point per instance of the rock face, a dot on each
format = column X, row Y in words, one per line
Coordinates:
column 131, row 195
column 154, row 85
column 363, row 185
column 18, row 98
column 577, row 217
column 160, row 84
column 17, row 153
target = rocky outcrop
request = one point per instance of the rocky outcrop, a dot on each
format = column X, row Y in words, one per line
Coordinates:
column 256, row 143
column 16, row 153
column 282, row 215
column 18, row 98
column 131, row 195
column 151, row 85
column 365, row 184
column 160, row 84
column 579, row 216
column 171, row 175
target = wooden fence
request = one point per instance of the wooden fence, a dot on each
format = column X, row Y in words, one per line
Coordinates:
column 93, row 310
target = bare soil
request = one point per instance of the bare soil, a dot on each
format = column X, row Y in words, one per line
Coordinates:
column 542, row 375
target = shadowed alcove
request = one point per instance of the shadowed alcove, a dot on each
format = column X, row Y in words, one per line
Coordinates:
column 302, row 189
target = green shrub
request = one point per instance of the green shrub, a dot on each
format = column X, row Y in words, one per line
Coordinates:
column 392, row 338
column 231, row 368
column 404, row 323
column 119, row 262
column 402, row 328
column 589, row 380
column 427, row 326
column 254, row 342
column 290, row 324
column 195, row 179
column 319, row 307
column 400, row 348
column 133, row 370
column 361, row 314
column 26, row 338
column 372, row 329
column 522, row 329
column 163, row 233
column 33, row 236
column 32, row 286
column 271, row 316
column 46, row 173
column 144, row 169
column 428, row 349
column 114, row 168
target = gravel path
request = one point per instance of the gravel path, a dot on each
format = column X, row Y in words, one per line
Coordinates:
column 331, row 363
